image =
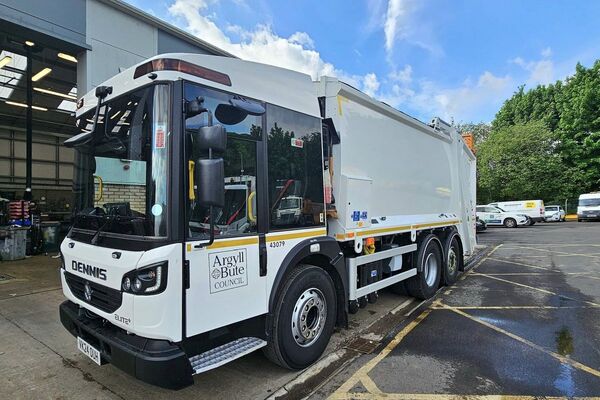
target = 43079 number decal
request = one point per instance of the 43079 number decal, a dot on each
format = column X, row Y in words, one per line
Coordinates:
column 278, row 243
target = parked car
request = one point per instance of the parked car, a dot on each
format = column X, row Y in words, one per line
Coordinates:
column 495, row 216
column 589, row 207
column 554, row 214
column 534, row 209
column 480, row 225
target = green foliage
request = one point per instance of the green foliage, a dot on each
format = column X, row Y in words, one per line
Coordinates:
column 553, row 133
column 515, row 160
column 480, row 130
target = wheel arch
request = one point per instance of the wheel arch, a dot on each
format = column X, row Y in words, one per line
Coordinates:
column 330, row 258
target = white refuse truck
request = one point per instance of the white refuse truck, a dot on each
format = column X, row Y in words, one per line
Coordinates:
column 182, row 257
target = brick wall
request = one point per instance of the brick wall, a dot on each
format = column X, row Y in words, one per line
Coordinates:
column 119, row 193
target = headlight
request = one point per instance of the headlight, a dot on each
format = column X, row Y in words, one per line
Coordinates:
column 151, row 279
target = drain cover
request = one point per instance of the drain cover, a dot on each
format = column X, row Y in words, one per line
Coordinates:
column 4, row 277
column 362, row 345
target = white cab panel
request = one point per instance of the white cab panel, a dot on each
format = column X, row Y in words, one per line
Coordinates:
column 225, row 284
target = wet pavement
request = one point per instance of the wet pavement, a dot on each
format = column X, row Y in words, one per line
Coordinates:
column 522, row 323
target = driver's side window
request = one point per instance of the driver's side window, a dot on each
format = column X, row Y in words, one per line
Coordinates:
column 244, row 134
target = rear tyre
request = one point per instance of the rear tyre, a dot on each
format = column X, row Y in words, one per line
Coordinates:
column 303, row 319
column 429, row 261
column 510, row 223
column 452, row 260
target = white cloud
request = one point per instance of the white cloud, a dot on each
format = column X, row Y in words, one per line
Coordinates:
column 393, row 22
column 370, row 84
column 465, row 102
column 296, row 52
column 402, row 21
column 547, row 52
column 541, row 72
column 404, row 75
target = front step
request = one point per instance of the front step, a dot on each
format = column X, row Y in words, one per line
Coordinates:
column 223, row 354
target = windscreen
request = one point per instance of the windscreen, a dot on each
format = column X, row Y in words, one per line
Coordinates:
column 120, row 182
column 589, row 202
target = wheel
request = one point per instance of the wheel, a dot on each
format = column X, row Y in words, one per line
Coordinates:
column 373, row 297
column 510, row 223
column 353, row 306
column 362, row 302
column 531, row 223
column 303, row 319
column 429, row 260
column 453, row 260
column 579, row 220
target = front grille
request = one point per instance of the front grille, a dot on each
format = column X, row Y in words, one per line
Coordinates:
column 103, row 298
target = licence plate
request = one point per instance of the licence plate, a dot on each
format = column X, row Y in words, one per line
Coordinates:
column 592, row 215
column 88, row 350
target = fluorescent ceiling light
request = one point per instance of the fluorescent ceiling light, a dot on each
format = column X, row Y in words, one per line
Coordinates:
column 67, row 105
column 41, row 74
column 29, row 43
column 5, row 61
column 14, row 103
column 52, row 92
column 10, row 76
column 67, row 57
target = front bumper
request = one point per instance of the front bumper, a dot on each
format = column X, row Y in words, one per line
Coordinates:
column 157, row 362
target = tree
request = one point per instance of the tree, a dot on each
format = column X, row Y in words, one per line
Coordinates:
column 523, row 162
column 480, row 130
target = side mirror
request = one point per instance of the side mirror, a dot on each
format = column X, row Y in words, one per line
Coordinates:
column 211, row 174
column 194, row 107
column 209, row 137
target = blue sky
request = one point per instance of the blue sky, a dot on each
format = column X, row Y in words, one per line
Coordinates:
column 457, row 59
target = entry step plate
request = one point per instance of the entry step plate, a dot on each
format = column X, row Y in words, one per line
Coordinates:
column 223, row 354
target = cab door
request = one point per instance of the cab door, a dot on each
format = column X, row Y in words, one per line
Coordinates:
column 225, row 284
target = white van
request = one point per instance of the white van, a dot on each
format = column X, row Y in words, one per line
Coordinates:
column 534, row 209
column 589, row 206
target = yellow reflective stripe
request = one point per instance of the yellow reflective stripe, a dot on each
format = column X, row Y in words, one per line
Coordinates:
column 404, row 228
column 231, row 243
column 296, row 235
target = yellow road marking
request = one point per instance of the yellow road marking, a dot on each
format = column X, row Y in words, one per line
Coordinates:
column 555, row 251
column 432, row 396
column 537, row 289
column 370, row 385
column 520, row 263
column 562, row 359
column 437, row 307
column 365, row 369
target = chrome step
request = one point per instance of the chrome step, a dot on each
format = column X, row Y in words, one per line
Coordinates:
column 223, row 354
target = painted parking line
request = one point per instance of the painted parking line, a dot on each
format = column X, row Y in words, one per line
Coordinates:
column 432, row 396
column 564, row 253
column 373, row 392
column 562, row 359
column 361, row 376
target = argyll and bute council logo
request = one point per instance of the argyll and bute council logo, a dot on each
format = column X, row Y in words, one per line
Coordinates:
column 227, row 270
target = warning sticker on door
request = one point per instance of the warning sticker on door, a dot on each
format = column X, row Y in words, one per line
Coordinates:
column 227, row 270
column 159, row 137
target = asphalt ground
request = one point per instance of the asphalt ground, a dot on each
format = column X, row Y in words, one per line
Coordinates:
column 522, row 323
column 39, row 358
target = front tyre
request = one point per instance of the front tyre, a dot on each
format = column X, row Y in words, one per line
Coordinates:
column 510, row 223
column 304, row 318
column 429, row 262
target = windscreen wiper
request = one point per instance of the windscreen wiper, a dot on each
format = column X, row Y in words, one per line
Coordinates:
column 110, row 219
column 86, row 137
